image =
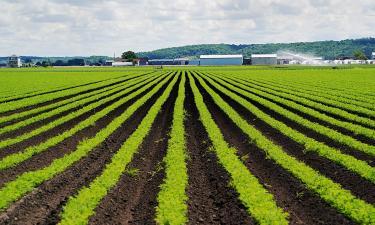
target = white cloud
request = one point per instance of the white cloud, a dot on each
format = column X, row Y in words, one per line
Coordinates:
column 87, row 27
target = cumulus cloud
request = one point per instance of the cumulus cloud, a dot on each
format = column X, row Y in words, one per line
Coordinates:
column 87, row 27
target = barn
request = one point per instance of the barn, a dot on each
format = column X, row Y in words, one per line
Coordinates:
column 264, row 59
column 220, row 60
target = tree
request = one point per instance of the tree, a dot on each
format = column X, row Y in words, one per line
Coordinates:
column 359, row 55
column 129, row 56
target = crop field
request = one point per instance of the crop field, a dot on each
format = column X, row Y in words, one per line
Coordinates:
column 187, row 145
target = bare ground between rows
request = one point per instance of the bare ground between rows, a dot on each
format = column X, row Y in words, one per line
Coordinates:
column 348, row 179
column 44, row 205
column 335, row 116
column 211, row 199
column 342, row 130
column 65, row 97
column 37, row 139
column 133, row 200
column 303, row 206
column 313, row 134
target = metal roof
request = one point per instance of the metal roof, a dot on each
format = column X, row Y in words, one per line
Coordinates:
column 264, row 56
column 220, row 56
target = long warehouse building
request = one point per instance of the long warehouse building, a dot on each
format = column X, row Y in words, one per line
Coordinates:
column 221, row 60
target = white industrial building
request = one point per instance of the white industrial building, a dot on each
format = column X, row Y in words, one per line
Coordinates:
column 221, row 60
column 14, row 61
column 264, row 59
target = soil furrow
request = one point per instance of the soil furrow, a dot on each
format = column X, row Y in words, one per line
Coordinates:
column 133, row 200
column 349, row 180
column 44, row 205
column 304, row 206
column 211, row 199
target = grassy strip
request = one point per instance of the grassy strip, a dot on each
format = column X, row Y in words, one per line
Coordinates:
column 317, row 105
column 319, row 96
column 8, row 106
column 14, row 159
column 4, row 119
column 357, row 129
column 80, row 207
column 65, row 108
column 27, row 181
column 341, row 199
column 172, row 208
column 66, row 118
column 260, row 204
column 330, row 133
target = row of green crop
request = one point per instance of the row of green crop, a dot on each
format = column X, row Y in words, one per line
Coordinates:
column 344, row 91
column 260, row 204
column 16, row 158
column 65, row 102
column 323, row 100
column 78, row 103
column 341, row 199
column 321, row 107
column 356, row 129
column 68, row 117
column 80, row 207
column 334, row 93
column 351, row 163
column 172, row 208
column 27, row 181
column 61, row 88
column 9, row 106
column 328, row 132
column 333, row 100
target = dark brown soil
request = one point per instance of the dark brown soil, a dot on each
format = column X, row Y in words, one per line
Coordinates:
column 304, row 206
column 349, row 180
column 58, row 129
column 211, row 200
column 133, row 200
column 44, row 205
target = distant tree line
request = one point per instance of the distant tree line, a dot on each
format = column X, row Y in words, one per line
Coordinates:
column 326, row 49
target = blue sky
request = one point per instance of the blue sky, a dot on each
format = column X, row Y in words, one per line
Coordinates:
column 101, row 27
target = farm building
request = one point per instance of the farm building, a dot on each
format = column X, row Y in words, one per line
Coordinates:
column 264, row 59
column 206, row 60
column 14, row 61
column 159, row 62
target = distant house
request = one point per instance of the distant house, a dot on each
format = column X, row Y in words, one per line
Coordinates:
column 373, row 56
column 264, row 59
column 14, row 61
column 220, row 60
